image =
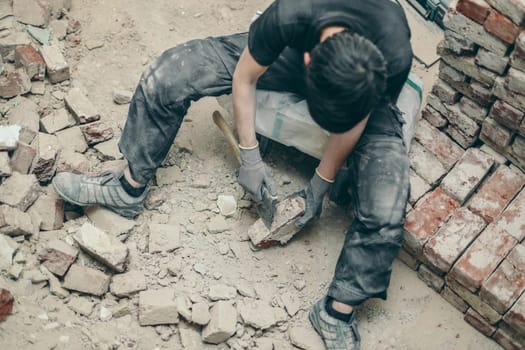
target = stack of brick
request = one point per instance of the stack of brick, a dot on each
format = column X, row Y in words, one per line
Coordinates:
column 464, row 233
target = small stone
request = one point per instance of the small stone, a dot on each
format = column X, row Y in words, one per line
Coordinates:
column 109, row 150
column 222, row 323
column 217, row 225
column 227, row 205
column 246, row 289
column 200, row 314
column 97, row 132
column 257, row 314
column 222, row 292
column 164, row 238
column 122, row 97
column 54, row 284
column 56, row 121
column 157, row 307
column 105, row 314
column 155, row 199
column 81, row 107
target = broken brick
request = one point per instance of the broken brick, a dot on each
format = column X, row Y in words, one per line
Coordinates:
column 57, row 67
column 19, row 191
column 56, row 121
column 434, row 117
column 430, row 278
column 81, row 107
column 491, row 61
column 516, row 81
column 472, row 109
column 97, row 132
column 45, row 164
column 14, row 83
column 49, row 207
column 34, row 12
column 445, row 93
column 58, row 256
column 29, row 58
column 22, row 158
column 14, row 222
column 72, row 139
column 515, row 317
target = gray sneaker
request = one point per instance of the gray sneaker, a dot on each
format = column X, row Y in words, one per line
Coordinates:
column 104, row 189
column 336, row 334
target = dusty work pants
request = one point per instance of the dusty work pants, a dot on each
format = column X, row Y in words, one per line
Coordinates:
column 380, row 181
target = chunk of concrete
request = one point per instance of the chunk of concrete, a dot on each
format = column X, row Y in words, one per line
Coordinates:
column 157, row 307
column 127, row 284
column 86, row 280
column 222, row 323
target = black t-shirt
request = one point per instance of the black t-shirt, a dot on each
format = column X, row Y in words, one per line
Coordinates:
column 298, row 23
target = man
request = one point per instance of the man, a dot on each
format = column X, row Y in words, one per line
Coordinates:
column 349, row 59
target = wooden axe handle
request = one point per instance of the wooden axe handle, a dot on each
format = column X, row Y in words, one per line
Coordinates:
column 232, row 141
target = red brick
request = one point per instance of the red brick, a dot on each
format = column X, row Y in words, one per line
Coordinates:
column 97, row 132
column 6, row 304
column 434, row 117
column 14, row 83
column 478, row 10
column 515, row 317
column 446, row 246
column 446, row 150
column 445, row 93
column 467, row 174
column 425, row 164
column 29, row 58
column 507, row 341
column 502, row 27
column 495, row 134
column 512, row 220
column 507, row 283
column 506, row 114
column 478, row 322
column 482, row 257
column 497, row 192
column 422, row 222
column 22, row 158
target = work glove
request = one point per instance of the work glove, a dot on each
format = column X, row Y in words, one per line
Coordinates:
column 253, row 173
column 313, row 195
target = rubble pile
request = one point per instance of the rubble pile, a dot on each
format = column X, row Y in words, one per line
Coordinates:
column 464, row 234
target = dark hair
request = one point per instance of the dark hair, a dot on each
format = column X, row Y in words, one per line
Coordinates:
column 345, row 80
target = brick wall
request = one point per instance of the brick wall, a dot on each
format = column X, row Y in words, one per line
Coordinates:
column 466, row 229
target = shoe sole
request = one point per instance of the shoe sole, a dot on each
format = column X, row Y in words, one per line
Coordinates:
column 127, row 213
column 311, row 318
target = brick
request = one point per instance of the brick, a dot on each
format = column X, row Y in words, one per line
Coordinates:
column 472, row 109
column 468, row 126
column 431, row 212
column 57, row 67
column 445, row 93
column 109, row 221
column 473, row 300
column 511, row 220
column 514, row 9
column 127, row 284
column 467, row 174
column 72, row 139
column 25, row 114
column 81, row 107
column 282, row 228
column 418, row 187
column 73, row 162
column 430, row 278
column 164, row 238
column 479, row 323
column 454, row 299
column 222, row 323
column 482, row 257
column 14, row 222
column 458, row 44
column 58, row 256
column 500, row 90
column 516, row 152
column 516, row 81
column 491, row 61
column 45, row 164
column 477, row 10
column 447, row 245
column 507, row 115
column 56, row 121
column 108, row 150
column 14, row 83
column 49, row 207
column 425, row 164
column 449, row 74
column 507, row 283
column 19, row 191
column 459, row 136
column 480, row 94
column 467, row 65
column 22, row 158
column 446, row 150
column 34, row 12
column 408, row 259
column 5, row 167
column 497, row 192
column 520, row 44
column 434, row 117
column 6, row 304
column 157, row 307
column 105, row 248
column 97, row 132
column 501, row 27
column 506, row 341
column 517, row 60
column 495, row 134
column 498, row 157
column 474, row 31
column 86, row 280
column 436, row 104
column 515, row 317
column 29, row 58
column 12, row 41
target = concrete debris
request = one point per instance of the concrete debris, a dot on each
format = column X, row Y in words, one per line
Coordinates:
column 190, row 338
column 218, row 225
column 54, row 284
column 5, row 167
column 45, row 163
column 81, row 305
column 8, row 247
column 14, row 222
column 72, row 139
column 257, row 314
column 184, row 307
column 157, row 307
column 56, row 121
column 15, row 271
column 103, row 247
column 127, row 284
column 35, row 12
column 49, row 207
column 227, row 205
column 97, row 132
column 200, row 314
column 86, row 280
column 164, row 238
column 22, row 158
column 9, row 136
column 14, row 83
column 71, row 161
column 109, row 150
column 222, row 292
column 222, row 323
column 58, row 256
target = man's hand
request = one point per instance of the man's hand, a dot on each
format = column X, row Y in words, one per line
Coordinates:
column 314, row 195
column 253, row 173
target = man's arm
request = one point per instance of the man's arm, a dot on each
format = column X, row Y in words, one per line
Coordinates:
column 244, row 83
column 337, row 150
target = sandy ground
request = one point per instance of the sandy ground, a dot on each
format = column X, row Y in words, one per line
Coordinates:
column 134, row 33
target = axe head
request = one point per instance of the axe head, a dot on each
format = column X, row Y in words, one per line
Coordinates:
column 266, row 207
